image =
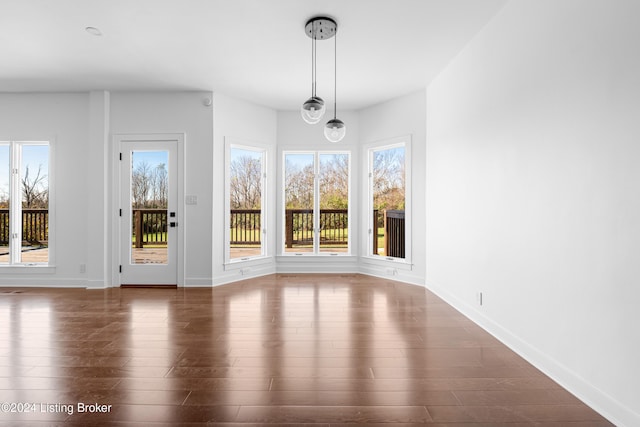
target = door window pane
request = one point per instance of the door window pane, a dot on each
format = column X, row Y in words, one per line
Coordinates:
column 245, row 202
column 388, row 201
column 334, row 202
column 299, row 202
column 149, row 204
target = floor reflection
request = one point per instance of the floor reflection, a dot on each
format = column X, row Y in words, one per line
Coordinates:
column 288, row 348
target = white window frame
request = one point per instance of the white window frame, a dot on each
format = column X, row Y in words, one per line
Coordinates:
column 231, row 143
column 368, row 150
column 316, row 205
column 15, row 211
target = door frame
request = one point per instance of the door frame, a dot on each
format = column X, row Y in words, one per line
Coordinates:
column 116, row 180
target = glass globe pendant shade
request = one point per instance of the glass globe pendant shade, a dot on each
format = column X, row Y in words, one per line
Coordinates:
column 312, row 110
column 335, row 130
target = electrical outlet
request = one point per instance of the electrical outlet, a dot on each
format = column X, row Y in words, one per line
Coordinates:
column 479, row 298
column 83, row 268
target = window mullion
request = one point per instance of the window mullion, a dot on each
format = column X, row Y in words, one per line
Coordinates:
column 15, row 210
column 316, row 203
column 263, row 207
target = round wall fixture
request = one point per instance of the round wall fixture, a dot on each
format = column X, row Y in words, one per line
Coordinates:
column 94, row 31
column 321, row 28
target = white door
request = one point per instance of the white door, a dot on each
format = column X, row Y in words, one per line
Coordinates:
column 149, row 217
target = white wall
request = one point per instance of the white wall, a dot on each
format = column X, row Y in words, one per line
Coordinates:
column 405, row 115
column 62, row 119
column 533, row 191
column 247, row 122
column 179, row 112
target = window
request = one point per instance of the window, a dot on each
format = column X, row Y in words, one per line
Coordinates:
column 389, row 213
column 316, row 199
column 246, row 221
column 24, row 203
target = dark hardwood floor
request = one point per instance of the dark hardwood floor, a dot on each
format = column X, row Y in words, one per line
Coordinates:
column 282, row 349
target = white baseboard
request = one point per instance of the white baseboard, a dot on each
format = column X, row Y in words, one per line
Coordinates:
column 243, row 274
column 599, row 401
column 197, row 282
column 398, row 275
column 97, row 284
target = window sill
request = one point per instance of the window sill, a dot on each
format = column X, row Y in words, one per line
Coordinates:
column 320, row 259
column 318, row 255
column 239, row 264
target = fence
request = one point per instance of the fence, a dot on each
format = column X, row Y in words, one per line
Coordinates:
column 35, row 227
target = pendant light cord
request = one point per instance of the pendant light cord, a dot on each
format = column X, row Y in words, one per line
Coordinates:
column 313, row 59
column 335, row 73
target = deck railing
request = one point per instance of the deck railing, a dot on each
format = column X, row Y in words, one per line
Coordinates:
column 392, row 222
column 35, row 227
column 149, row 227
column 246, row 228
column 394, row 233
column 299, row 227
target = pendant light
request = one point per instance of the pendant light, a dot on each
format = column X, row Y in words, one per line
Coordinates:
column 335, row 129
column 316, row 28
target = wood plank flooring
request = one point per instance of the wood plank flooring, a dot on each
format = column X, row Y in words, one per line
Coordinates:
column 326, row 350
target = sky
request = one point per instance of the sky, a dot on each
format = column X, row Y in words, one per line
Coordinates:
column 299, row 161
column 32, row 156
column 152, row 158
column 36, row 155
column 236, row 153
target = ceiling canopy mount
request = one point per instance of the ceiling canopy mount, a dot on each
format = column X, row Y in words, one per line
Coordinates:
column 321, row 28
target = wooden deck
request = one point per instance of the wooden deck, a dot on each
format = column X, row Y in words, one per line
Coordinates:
column 28, row 256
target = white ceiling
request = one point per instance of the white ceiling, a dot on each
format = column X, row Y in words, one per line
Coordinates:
column 251, row 49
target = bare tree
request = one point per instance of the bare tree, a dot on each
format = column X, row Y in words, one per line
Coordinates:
column 299, row 186
column 334, row 181
column 246, row 183
column 141, row 185
column 159, row 186
column 35, row 189
column 389, row 179
column 4, row 198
